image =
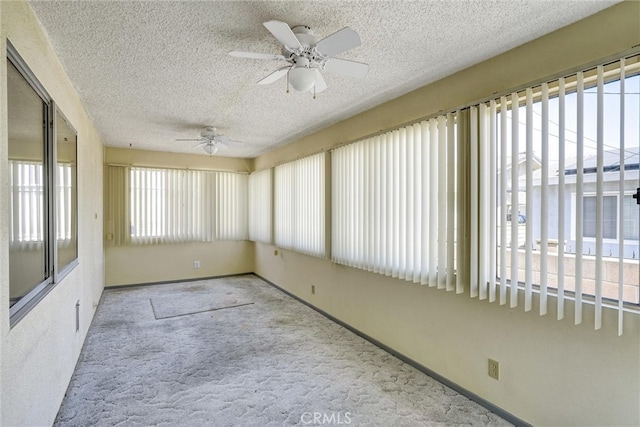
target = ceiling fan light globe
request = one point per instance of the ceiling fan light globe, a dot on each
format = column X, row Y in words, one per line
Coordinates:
column 210, row 149
column 302, row 79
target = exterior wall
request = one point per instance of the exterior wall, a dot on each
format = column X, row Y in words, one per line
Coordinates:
column 552, row 371
column 610, row 274
column 610, row 186
column 38, row 355
column 135, row 264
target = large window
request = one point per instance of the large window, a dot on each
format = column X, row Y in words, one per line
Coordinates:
column 260, row 206
column 43, row 191
column 154, row 205
column 394, row 203
column 564, row 155
column 299, row 205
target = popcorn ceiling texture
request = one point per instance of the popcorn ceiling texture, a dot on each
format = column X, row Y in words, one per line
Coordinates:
column 272, row 362
column 151, row 72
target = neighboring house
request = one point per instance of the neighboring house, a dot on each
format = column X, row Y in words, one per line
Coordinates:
column 520, row 209
column 611, row 191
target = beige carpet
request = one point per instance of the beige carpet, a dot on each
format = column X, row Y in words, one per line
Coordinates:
column 238, row 352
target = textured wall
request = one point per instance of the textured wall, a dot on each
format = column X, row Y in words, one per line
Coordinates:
column 552, row 372
column 38, row 354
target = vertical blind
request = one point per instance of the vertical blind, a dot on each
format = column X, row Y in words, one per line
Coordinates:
column 152, row 205
column 557, row 166
column 299, row 205
column 395, row 210
column 26, row 182
column 64, row 204
column 27, row 209
column 260, row 206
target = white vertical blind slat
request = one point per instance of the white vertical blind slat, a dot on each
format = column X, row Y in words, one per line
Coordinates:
column 442, row 202
column 621, row 228
column 579, row 195
column 515, row 159
column 599, row 195
column 461, row 243
column 476, row 186
column 426, row 198
column 433, row 202
column 544, row 202
column 493, row 173
column 451, row 194
column 561, row 198
column 503, row 199
column 528, row 263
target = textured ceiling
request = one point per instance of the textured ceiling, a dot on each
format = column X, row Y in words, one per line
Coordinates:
column 151, row 72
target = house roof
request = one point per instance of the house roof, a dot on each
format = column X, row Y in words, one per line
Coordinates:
column 611, row 162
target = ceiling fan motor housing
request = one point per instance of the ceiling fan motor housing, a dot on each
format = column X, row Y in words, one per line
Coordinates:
column 209, row 132
column 304, row 34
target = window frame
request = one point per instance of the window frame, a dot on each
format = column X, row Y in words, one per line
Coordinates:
column 53, row 274
column 585, row 238
column 60, row 272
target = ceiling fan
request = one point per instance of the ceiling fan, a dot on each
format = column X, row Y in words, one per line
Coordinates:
column 307, row 57
column 212, row 141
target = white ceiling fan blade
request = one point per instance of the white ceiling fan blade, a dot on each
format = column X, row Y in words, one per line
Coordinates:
column 283, row 33
column 320, row 84
column 190, row 139
column 277, row 74
column 347, row 68
column 339, row 42
column 253, row 55
column 225, row 140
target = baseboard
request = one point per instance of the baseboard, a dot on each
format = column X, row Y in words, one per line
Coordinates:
column 166, row 282
column 463, row 391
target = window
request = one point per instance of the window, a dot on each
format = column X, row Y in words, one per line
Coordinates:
column 610, row 219
column 260, row 206
column 299, row 205
column 609, row 213
column 27, row 220
column 153, row 205
column 564, row 154
column 43, row 207
column 394, row 203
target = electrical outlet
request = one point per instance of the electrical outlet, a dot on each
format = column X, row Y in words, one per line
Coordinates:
column 313, row 289
column 494, row 369
column 196, row 264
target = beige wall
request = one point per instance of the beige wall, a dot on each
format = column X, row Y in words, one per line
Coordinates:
column 552, row 372
column 125, row 265
column 38, row 355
